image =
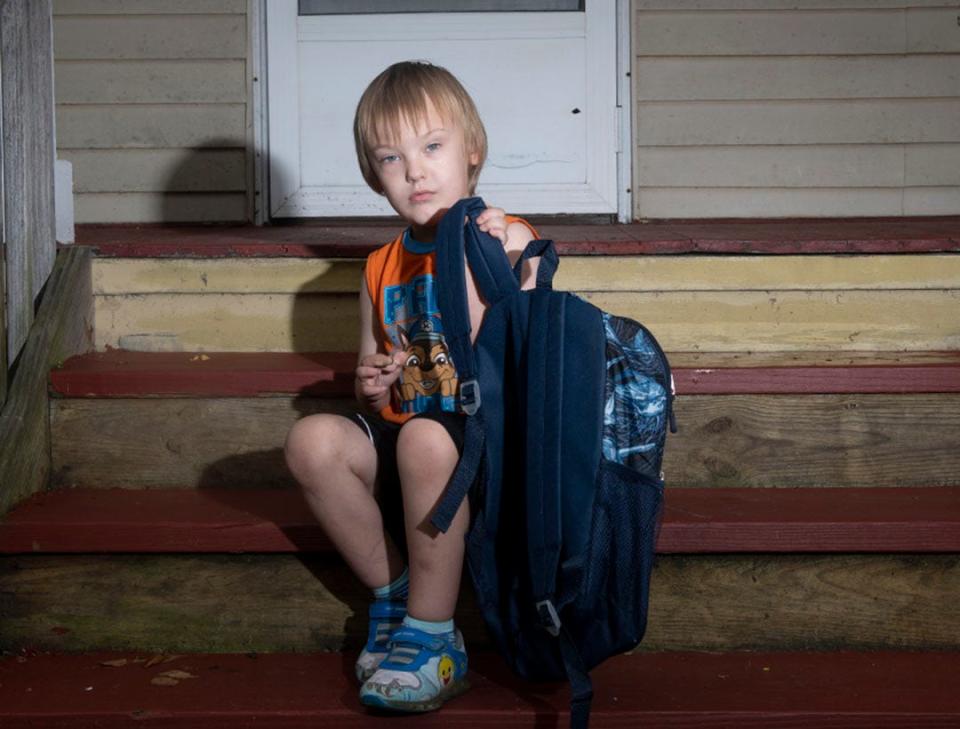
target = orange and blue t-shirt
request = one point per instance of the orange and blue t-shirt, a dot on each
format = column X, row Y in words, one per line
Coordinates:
column 400, row 277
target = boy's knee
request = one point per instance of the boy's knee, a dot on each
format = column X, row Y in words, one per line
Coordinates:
column 425, row 444
column 314, row 443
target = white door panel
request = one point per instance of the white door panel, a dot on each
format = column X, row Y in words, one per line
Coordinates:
column 552, row 135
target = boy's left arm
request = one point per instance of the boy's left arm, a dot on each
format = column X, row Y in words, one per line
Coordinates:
column 514, row 237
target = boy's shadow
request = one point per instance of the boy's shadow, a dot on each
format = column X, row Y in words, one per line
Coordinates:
column 244, row 480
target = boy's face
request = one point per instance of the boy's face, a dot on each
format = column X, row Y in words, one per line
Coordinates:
column 425, row 171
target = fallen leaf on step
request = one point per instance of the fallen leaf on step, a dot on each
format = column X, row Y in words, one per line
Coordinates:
column 199, row 358
column 160, row 658
column 177, row 674
column 114, row 664
column 164, row 681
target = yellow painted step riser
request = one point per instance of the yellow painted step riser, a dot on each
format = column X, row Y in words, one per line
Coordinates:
column 576, row 273
column 722, row 321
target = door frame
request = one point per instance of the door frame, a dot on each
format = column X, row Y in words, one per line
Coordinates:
column 260, row 95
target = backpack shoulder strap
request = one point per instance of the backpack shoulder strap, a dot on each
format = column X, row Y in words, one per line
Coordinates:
column 458, row 237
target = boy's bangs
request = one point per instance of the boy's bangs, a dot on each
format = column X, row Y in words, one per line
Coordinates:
column 410, row 108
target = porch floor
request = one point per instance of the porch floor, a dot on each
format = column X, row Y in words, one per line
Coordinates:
column 700, row 690
column 354, row 240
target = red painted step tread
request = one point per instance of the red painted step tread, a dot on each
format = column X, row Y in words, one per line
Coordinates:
column 823, row 235
column 691, row 690
column 710, row 520
column 121, row 373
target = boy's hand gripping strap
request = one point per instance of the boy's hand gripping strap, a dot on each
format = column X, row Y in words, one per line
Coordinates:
column 458, row 237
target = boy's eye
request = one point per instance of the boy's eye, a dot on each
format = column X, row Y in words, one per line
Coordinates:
column 433, row 146
column 384, row 159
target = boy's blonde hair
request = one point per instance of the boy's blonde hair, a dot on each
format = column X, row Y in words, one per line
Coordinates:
column 401, row 94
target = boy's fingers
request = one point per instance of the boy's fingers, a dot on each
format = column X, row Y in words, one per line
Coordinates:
column 376, row 360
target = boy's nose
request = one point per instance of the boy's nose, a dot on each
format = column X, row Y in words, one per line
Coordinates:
column 414, row 171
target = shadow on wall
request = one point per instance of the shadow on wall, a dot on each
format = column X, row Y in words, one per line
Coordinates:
column 208, row 185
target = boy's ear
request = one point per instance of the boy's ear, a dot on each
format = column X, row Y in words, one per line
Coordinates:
column 474, row 159
column 404, row 337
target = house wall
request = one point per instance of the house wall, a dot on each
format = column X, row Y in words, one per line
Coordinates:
column 152, row 108
column 743, row 108
column 774, row 108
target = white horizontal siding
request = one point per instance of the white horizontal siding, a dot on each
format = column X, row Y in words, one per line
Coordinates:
column 150, row 207
column 800, row 166
column 151, row 82
column 806, row 108
column 149, row 36
column 800, row 122
column 158, row 170
column 172, row 125
column 147, row 7
column 799, row 78
column 800, row 32
column 152, row 108
column 728, row 5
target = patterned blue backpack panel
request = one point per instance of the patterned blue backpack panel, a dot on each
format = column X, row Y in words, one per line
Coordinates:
column 568, row 409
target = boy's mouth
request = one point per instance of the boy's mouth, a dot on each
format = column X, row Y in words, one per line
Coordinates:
column 418, row 197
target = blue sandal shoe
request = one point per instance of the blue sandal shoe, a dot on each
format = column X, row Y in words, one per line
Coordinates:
column 385, row 618
column 421, row 672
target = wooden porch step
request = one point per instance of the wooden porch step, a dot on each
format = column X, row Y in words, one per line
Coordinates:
column 798, row 236
column 696, row 521
column 702, row 690
column 169, row 420
column 121, row 373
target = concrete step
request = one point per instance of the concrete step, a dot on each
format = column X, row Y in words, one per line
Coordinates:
column 707, row 691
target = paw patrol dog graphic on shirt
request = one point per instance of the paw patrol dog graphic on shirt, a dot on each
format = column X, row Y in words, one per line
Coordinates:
column 429, row 379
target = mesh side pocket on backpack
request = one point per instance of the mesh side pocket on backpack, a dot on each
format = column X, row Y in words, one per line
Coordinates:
column 635, row 398
column 623, row 538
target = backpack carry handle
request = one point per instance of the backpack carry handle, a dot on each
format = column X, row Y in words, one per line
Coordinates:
column 549, row 262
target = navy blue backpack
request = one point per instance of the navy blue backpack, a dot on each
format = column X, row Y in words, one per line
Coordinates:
column 568, row 409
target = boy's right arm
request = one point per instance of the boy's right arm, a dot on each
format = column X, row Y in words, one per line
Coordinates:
column 376, row 372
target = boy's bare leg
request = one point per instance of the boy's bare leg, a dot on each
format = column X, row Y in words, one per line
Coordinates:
column 336, row 465
column 426, row 458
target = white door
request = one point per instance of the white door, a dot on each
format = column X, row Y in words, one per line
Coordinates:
column 545, row 84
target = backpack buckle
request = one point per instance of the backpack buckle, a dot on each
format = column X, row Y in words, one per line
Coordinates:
column 549, row 620
column 470, row 396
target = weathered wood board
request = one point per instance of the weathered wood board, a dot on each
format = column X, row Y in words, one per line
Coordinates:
column 724, row 440
column 177, row 442
column 281, row 603
column 63, row 327
column 29, row 238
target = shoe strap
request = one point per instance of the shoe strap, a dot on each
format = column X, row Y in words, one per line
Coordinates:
column 417, row 638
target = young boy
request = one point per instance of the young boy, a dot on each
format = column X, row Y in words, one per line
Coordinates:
column 421, row 144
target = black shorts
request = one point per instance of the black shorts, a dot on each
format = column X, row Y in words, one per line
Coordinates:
column 383, row 434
